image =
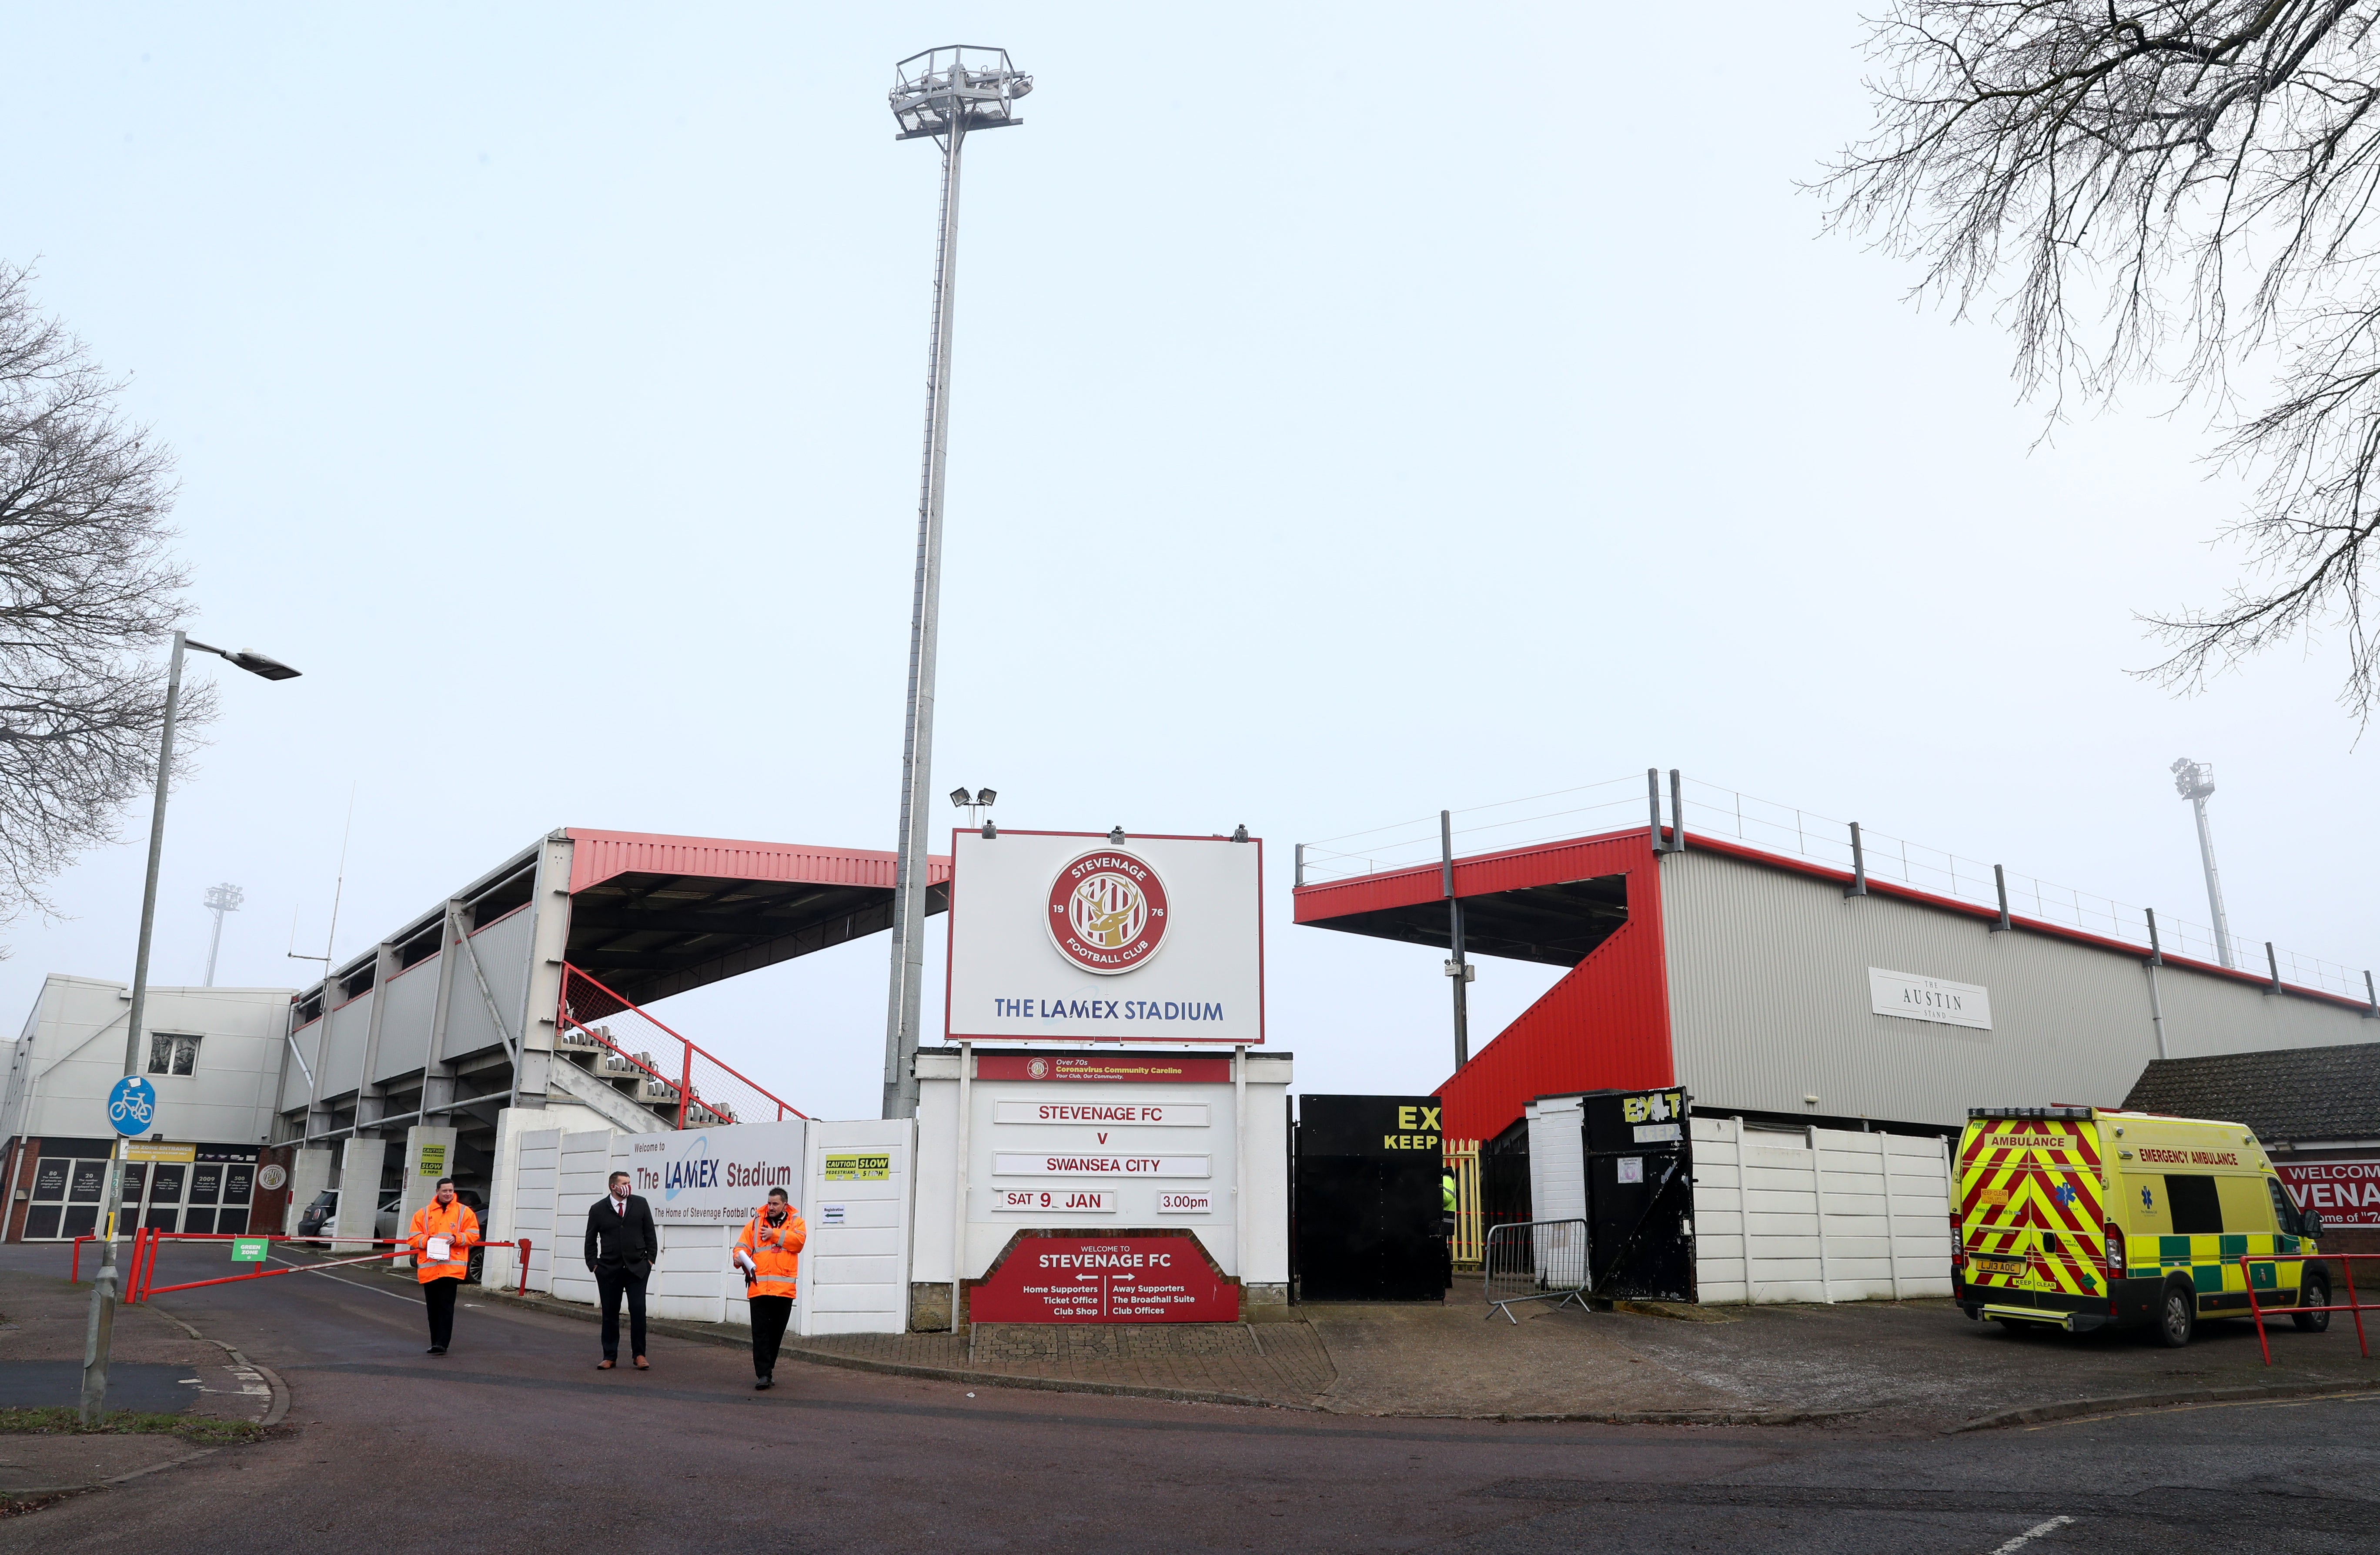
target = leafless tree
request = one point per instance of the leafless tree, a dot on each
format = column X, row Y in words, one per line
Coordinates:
column 2173, row 191
column 87, row 591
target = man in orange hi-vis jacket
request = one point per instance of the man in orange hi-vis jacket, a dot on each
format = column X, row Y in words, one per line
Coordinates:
column 442, row 1232
column 770, row 1254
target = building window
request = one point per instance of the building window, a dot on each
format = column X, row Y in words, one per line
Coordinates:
column 170, row 1054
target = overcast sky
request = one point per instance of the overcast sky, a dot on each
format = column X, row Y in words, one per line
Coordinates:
column 1358, row 412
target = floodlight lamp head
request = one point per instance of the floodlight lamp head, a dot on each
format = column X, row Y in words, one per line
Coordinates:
column 224, row 898
column 959, row 87
column 960, row 796
column 2192, row 780
column 985, row 796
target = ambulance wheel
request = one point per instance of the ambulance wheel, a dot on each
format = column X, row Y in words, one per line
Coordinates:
column 2317, row 1292
column 2177, row 1317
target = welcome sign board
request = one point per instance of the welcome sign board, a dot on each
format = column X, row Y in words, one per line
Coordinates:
column 716, row 1176
column 1066, row 936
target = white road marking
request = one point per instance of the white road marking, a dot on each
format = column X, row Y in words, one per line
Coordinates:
column 326, row 1274
column 2012, row 1546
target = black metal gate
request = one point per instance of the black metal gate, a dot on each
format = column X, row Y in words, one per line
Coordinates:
column 1640, row 1195
column 1504, row 1179
column 1369, row 1208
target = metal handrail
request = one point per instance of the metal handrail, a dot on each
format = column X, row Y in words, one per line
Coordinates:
column 683, row 1089
column 2346, row 1268
column 1550, row 1265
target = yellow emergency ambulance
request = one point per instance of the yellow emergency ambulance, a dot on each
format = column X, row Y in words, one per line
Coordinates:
column 2082, row 1217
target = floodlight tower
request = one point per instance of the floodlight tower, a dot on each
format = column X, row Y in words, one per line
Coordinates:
column 944, row 96
column 2194, row 780
column 221, row 899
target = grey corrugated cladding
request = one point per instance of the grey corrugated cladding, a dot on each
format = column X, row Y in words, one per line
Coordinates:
column 1768, row 1002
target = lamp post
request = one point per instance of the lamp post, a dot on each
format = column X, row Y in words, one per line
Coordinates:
column 100, row 1331
column 943, row 94
column 2194, row 780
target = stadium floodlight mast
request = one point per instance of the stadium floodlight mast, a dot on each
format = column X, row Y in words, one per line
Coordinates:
column 99, row 1332
column 2194, row 780
column 944, row 96
column 221, row 899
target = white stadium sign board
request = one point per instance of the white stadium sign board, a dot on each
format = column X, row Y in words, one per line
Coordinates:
column 1913, row 996
column 1064, row 935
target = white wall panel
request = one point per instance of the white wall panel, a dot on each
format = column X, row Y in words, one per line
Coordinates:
column 1776, row 1221
column 584, row 1165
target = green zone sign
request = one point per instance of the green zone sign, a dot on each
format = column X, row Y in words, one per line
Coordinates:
column 250, row 1249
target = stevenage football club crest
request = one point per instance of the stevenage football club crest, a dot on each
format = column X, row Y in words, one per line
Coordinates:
column 1107, row 912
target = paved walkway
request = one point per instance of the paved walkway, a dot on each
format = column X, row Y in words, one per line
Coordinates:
column 157, row 1367
column 1918, row 1365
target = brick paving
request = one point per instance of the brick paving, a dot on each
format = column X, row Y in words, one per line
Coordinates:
column 1278, row 1362
column 1892, row 1366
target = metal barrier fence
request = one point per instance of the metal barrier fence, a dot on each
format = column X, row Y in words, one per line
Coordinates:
column 141, row 1268
column 1536, row 1261
column 1712, row 810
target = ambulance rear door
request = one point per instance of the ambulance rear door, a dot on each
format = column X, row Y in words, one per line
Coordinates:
column 2032, row 1208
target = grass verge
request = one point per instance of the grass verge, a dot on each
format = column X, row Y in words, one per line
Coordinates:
column 61, row 1420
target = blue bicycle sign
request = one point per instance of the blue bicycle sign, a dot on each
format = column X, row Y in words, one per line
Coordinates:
column 132, row 1106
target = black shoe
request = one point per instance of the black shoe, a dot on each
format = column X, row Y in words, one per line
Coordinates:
column 763, row 1385
column 437, row 1350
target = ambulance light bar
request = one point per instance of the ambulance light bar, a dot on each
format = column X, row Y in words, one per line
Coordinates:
column 2079, row 1114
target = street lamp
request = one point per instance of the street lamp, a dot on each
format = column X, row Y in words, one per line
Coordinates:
column 100, row 1333
column 942, row 95
column 2194, row 780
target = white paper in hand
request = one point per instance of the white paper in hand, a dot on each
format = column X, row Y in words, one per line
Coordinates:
column 438, row 1251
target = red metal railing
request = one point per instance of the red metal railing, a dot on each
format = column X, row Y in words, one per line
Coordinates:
column 702, row 1093
column 141, row 1271
column 2346, row 1268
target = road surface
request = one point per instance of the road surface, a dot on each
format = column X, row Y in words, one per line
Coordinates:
column 514, row 1443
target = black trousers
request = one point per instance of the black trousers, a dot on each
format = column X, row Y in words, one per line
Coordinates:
column 769, row 1315
column 610, row 1285
column 439, row 1295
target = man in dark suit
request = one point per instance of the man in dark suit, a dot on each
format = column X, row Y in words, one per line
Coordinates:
column 621, row 1247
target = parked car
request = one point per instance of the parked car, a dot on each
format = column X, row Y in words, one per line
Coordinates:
column 317, row 1216
column 321, row 1218
column 480, row 1207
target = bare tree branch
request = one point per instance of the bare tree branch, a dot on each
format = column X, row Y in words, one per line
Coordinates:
column 86, row 593
column 2164, row 190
